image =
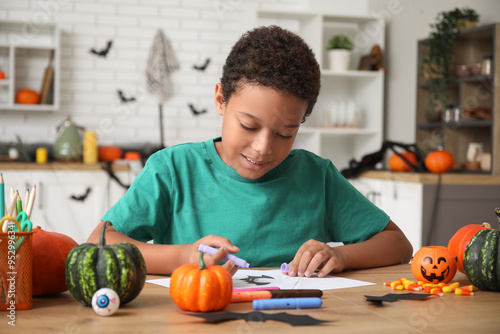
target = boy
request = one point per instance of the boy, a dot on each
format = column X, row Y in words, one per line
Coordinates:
column 248, row 188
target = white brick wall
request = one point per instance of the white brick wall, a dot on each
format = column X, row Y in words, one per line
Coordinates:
column 197, row 29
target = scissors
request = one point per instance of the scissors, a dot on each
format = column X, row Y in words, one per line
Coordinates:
column 25, row 224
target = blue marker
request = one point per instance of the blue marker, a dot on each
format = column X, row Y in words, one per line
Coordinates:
column 237, row 261
column 284, row 303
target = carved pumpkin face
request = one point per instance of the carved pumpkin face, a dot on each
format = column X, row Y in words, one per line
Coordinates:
column 434, row 264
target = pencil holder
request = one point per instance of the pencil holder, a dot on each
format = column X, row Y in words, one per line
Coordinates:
column 16, row 270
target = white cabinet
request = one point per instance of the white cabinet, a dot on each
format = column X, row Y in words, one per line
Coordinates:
column 402, row 201
column 364, row 90
column 25, row 52
column 429, row 208
column 67, row 202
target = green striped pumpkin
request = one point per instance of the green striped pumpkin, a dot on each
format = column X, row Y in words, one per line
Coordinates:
column 482, row 259
column 90, row 267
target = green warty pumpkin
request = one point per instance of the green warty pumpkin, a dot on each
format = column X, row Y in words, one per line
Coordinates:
column 482, row 259
column 119, row 266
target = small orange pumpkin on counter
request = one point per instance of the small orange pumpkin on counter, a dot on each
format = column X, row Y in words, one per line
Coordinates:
column 434, row 264
column 200, row 287
column 27, row 96
column 439, row 161
column 397, row 164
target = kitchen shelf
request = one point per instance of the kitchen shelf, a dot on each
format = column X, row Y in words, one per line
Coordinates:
column 467, row 92
column 337, row 131
column 469, row 123
column 24, row 56
column 351, row 74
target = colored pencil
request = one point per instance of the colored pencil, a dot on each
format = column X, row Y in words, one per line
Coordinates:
column 12, row 193
column 2, row 197
column 31, row 202
column 26, row 198
column 11, row 210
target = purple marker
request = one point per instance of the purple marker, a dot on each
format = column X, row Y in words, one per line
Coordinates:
column 285, row 267
column 287, row 303
column 237, row 261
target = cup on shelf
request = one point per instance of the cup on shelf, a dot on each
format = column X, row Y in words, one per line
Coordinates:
column 351, row 114
column 485, row 161
column 462, row 71
column 474, row 151
column 475, row 69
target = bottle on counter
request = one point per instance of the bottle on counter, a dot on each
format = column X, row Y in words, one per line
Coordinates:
column 90, row 152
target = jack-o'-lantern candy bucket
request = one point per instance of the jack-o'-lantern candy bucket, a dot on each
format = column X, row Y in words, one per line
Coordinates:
column 434, row 264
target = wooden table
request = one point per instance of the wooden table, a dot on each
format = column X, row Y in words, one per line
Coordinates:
column 153, row 311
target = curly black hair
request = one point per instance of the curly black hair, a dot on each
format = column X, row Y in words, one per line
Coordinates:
column 273, row 57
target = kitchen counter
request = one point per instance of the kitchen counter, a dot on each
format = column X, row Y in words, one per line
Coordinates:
column 429, row 178
column 55, row 166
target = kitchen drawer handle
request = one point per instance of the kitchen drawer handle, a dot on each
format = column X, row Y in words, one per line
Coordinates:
column 40, row 195
column 373, row 195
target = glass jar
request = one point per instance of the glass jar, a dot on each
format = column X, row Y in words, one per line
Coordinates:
column 452, row 114
column 486, row 66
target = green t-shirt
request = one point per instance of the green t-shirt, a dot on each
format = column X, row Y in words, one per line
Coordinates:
column 186, row 192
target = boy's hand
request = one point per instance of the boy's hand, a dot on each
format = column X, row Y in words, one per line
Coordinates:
column 225, row 246
column 314, row 255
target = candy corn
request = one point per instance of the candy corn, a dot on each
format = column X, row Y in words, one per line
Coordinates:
column 438, row 289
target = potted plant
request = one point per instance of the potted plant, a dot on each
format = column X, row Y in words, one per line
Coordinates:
column 437, row 63
column 339, row 51
column 468, row 20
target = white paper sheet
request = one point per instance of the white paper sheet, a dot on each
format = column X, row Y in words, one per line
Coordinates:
column 275, row 278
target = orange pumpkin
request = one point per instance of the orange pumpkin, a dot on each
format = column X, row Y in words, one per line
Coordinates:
column 27, row 96
column 110, row 153
column 50, row 250
column 200, row 287
column 460, row 240
column 434, row 264
column 439, row 161
column 397, row 164
column 2, row 75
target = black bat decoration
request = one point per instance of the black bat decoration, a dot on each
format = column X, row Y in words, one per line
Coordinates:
column 392, row 297
column 81, row 198
column 103, row 52
column 125, row 99
column 195, row 111
column 252, row 279
column 291, row 319
column 202, row 67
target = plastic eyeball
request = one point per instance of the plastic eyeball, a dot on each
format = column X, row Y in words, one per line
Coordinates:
column 105, row 302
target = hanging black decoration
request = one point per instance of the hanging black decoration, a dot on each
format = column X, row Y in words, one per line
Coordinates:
column 102, row 52
column 124, row 99
column 195, row 111
column 82, row 197
column 202, row 67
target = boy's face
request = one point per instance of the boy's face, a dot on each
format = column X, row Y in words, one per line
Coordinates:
column 259, row 127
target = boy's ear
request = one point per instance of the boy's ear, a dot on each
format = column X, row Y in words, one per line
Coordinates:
column 219, row 99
